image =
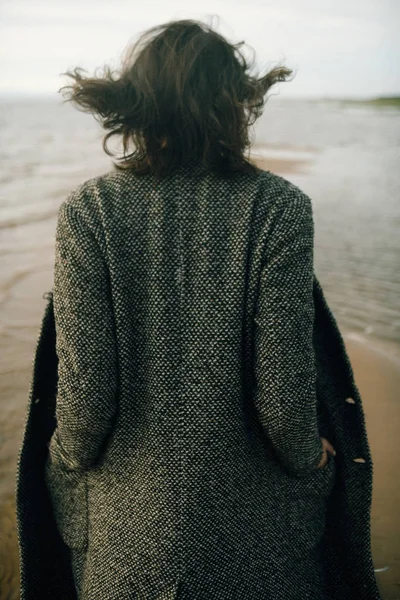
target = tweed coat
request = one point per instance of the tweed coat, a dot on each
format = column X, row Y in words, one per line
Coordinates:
column 186, row 367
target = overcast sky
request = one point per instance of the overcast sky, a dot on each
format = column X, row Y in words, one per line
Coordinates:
column 337, row 47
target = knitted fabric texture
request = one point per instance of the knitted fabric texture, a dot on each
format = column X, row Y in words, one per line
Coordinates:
column 186, row 368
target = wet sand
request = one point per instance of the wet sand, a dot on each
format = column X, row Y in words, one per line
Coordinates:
column 378, row 380
column 377, row 377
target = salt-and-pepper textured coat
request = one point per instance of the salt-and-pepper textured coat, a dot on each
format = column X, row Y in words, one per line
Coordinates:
column 186, row 367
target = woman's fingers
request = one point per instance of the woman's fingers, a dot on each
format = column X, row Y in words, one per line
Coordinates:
column 323, row 461
column 328, row 446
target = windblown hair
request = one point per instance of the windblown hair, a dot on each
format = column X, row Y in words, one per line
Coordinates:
column 184, row 95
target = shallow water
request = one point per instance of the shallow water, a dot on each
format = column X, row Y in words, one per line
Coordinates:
column 350, row 170
column 353, row 180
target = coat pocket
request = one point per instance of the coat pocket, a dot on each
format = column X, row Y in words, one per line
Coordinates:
column 306, row 504
column 324, row 478
column 320, row 482
column 68, row 490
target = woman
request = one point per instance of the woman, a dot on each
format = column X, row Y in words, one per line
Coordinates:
column 189, row 373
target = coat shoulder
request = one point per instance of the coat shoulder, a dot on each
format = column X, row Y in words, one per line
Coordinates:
column 280, row 190
column 279, row 201
column 86, row 193
column 86, row 200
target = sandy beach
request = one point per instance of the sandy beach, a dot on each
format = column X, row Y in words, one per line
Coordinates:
column 377, row 375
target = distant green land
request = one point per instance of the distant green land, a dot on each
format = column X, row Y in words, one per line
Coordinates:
column 383, row 101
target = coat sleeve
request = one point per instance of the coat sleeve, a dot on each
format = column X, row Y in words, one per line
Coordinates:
column 285, row 366
column 85, row 343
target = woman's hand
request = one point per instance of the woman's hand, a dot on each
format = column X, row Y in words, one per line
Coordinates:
column 327, row 446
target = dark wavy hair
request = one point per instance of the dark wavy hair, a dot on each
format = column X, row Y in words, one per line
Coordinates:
column 184, row 94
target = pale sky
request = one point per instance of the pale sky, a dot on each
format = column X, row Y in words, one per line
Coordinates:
column 338, row 48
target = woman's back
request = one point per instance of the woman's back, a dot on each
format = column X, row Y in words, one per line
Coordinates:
column 193, row 385
column 161, row 411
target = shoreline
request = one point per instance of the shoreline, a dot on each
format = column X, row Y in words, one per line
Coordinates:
column 281, row 166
